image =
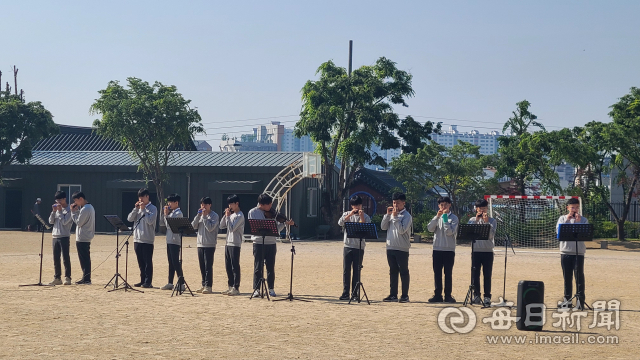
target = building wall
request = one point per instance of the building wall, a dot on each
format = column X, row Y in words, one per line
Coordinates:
column 42, row 182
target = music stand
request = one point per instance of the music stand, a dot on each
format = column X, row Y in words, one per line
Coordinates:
column 361, row 231
column 47, row 227
column 262, row 228
column 183, row 226
column 472, row 232
column 119, row 225
column 290, row 297
column 576, row 232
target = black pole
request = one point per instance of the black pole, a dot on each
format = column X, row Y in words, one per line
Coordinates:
column 350, row 55
column 41, row 257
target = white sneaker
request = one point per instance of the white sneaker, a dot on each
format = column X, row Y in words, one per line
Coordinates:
column 256, row 293
column 207, row 290
column 487, row 301
column 234, row 292
column 272, row 293
column 565, row 304
column 67, row 281
column 169, row 286
column 56, row 281
column 226, row 292
column 183, row 287
column 200, row 290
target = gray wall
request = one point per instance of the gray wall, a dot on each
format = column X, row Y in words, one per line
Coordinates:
column 42, row 181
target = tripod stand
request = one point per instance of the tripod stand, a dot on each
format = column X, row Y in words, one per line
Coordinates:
column 264, row 228
column 44, row 226
column 289, row 297
column 576, row 232
column 503, row 300
column 472, row 232
column 182, row 226
column 361, row 231
column 117, row 223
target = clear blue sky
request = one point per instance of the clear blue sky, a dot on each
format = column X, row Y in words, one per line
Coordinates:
column 471, row 61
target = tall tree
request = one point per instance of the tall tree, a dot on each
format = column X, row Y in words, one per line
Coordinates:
column 150, row 121
column 346, row 115
column 525, row 154
column 22, row 125
column 457, row 170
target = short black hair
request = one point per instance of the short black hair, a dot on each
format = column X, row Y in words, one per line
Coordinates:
column 399, row 196
column 233, row 199
column 356, row 200
column 481, row 203
column 573, row 201
column 206, row 200
column 60, row 195
column 143, row 192
column 444, row 199
column 264, row 199
column 173, row 197
column 77, row 195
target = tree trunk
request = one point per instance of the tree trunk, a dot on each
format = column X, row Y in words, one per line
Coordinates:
column 620, row 224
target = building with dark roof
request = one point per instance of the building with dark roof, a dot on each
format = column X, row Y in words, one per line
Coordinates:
column 375, row 188
column 110, row 180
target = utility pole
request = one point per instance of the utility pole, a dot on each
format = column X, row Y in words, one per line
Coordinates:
column 345, row 201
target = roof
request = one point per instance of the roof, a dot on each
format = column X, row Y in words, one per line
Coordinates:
column 379, row 180
column 78, row 138
column 179, row 158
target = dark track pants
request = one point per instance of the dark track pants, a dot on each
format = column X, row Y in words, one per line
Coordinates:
column 84, row 255
column 205, row 258
column 270, row 260
column 232, row 264
column 443, row 260
column 173, row 256
column 144, row 253
column 482, row 260
column 350, row 260
column 568, row 263
column 398, row 265
column 61, row 247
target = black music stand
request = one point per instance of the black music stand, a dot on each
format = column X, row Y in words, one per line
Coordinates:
column 361, row 231
column 576, row 232
column 472, row 232
column 118, row 225
column 183, row 226
column 262, row 228
column 290, row 297
column 47, row 227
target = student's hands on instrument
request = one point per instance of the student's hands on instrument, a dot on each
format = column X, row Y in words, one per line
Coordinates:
column 227, row 212
column 166, row 210
column 440, row 212
column 394, row 211
column 389, row 210
column 290, row 222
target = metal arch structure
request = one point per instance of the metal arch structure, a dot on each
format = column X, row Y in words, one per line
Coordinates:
column 284, row 181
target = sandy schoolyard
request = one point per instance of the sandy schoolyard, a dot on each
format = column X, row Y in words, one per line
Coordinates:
column 87, row 322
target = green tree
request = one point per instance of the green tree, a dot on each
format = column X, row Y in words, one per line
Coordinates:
column 150, row 121
column 22, row 125
column 457, row 170
column 346, row 115
column 527, row 155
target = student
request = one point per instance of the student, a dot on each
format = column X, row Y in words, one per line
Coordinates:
column 206, row 222
column 568, row 259
column 397, row 222
column 172, row 210
column 233, row 221
column 444, row 249
column 351, row 253
column 264, row 205
column 483, row 254
column 61, row 220
column 84, row 215
column 144, row 216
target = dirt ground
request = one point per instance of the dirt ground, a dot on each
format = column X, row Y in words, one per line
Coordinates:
column 87, row 322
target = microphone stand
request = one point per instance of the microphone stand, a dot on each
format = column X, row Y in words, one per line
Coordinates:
column 503, row 301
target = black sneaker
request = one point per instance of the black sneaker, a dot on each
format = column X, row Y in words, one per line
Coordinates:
column 436, row 299
column 79, row 282
column 147, row 286
column 449, row 299
column 344, row 297
column 476, row 300
column 404, row 299
column 391, row 298
column 138, row 284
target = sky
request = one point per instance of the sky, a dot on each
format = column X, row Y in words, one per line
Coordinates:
column 243, row 63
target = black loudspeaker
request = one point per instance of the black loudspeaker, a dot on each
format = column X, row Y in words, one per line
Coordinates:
column 530, row 292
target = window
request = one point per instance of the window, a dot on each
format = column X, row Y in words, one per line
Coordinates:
column 69, row 189
column 312, row 202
